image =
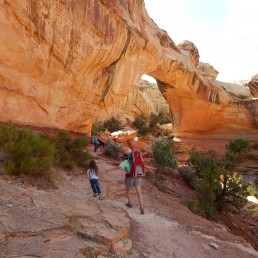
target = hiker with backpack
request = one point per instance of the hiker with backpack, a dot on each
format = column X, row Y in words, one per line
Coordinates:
column 134, row 168
column 95, row 142
column 92, row 173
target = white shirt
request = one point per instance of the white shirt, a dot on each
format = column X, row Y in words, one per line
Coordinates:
column 91, row 174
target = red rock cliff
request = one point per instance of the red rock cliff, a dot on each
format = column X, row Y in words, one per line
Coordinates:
column 63, row 62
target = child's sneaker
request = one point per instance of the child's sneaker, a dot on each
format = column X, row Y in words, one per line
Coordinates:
column 141, row 209
column 95, row 195
column 129, row 205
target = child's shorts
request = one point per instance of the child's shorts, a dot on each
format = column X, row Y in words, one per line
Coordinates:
column 133, row 181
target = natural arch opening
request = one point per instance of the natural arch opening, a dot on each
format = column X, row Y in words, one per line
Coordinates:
column 159, row 109
column 143, row 98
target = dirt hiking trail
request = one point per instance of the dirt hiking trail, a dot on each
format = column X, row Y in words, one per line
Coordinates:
column 70, row 222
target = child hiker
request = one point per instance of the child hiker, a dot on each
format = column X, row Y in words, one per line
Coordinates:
column 92, row 173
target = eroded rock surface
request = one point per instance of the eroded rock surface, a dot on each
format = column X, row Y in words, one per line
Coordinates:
column 207, row 70
column 63, row 223
column 62, row 63
column 69, row 222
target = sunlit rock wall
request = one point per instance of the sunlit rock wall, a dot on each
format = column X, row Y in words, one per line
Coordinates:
column 143, row 98
column 63, row 62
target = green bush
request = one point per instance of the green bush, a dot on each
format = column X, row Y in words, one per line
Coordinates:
column 206, row 183
column 194, row 206
column 218, row 186
column 141, row 124
column 164, row 155
column 160, row 118
column 233, row 194
column 234, row 150
column 97, row 127
column 253, row 190
column 256, row 187
column 113, row 150
column 27, row 153
column 238, row 146
column 71, row 151
column 112, row 125
column 188, row 174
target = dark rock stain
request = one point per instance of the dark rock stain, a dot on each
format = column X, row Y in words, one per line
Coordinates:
column 110, row 70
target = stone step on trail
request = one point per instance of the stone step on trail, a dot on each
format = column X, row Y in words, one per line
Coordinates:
column 62, row 224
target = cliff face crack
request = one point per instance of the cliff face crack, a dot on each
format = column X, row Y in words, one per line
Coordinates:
column 37, row 20
column 110, row 70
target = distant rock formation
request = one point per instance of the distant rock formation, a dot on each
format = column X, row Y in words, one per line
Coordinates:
column 63, row 63
column 143, row 98
column 207, row 70
column 253, row 85
column 187, row 47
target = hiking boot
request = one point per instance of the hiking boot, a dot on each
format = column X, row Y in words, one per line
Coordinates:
column 101, row 197
column 95, row 195
column 129, row 205
column 141, row 209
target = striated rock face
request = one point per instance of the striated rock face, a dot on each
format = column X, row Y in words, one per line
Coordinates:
column 188, row 48
column 207, row 70
column 143, row 98
column 253, row 85
column 62, row 63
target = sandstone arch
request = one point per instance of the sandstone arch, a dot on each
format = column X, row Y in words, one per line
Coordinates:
column 63, row 62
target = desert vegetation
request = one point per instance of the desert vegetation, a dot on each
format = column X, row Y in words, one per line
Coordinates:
column 218, row 187
column 113, row 150
column 70, row 151
column 164, row 155
column 110, row 125
column 146, row 125
column 142, row 123
column 25, row 152
column 34, row 154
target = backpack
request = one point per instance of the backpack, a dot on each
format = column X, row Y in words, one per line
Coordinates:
column 137, row 165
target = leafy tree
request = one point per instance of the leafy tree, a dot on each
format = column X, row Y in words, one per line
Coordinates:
column 207, row 181
column 233, row 194
column 97, row 127
column 218, row 186
column 234, row 151
column 164, row 155
column 158, row 119
column 140, row 123
column 112, row 124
